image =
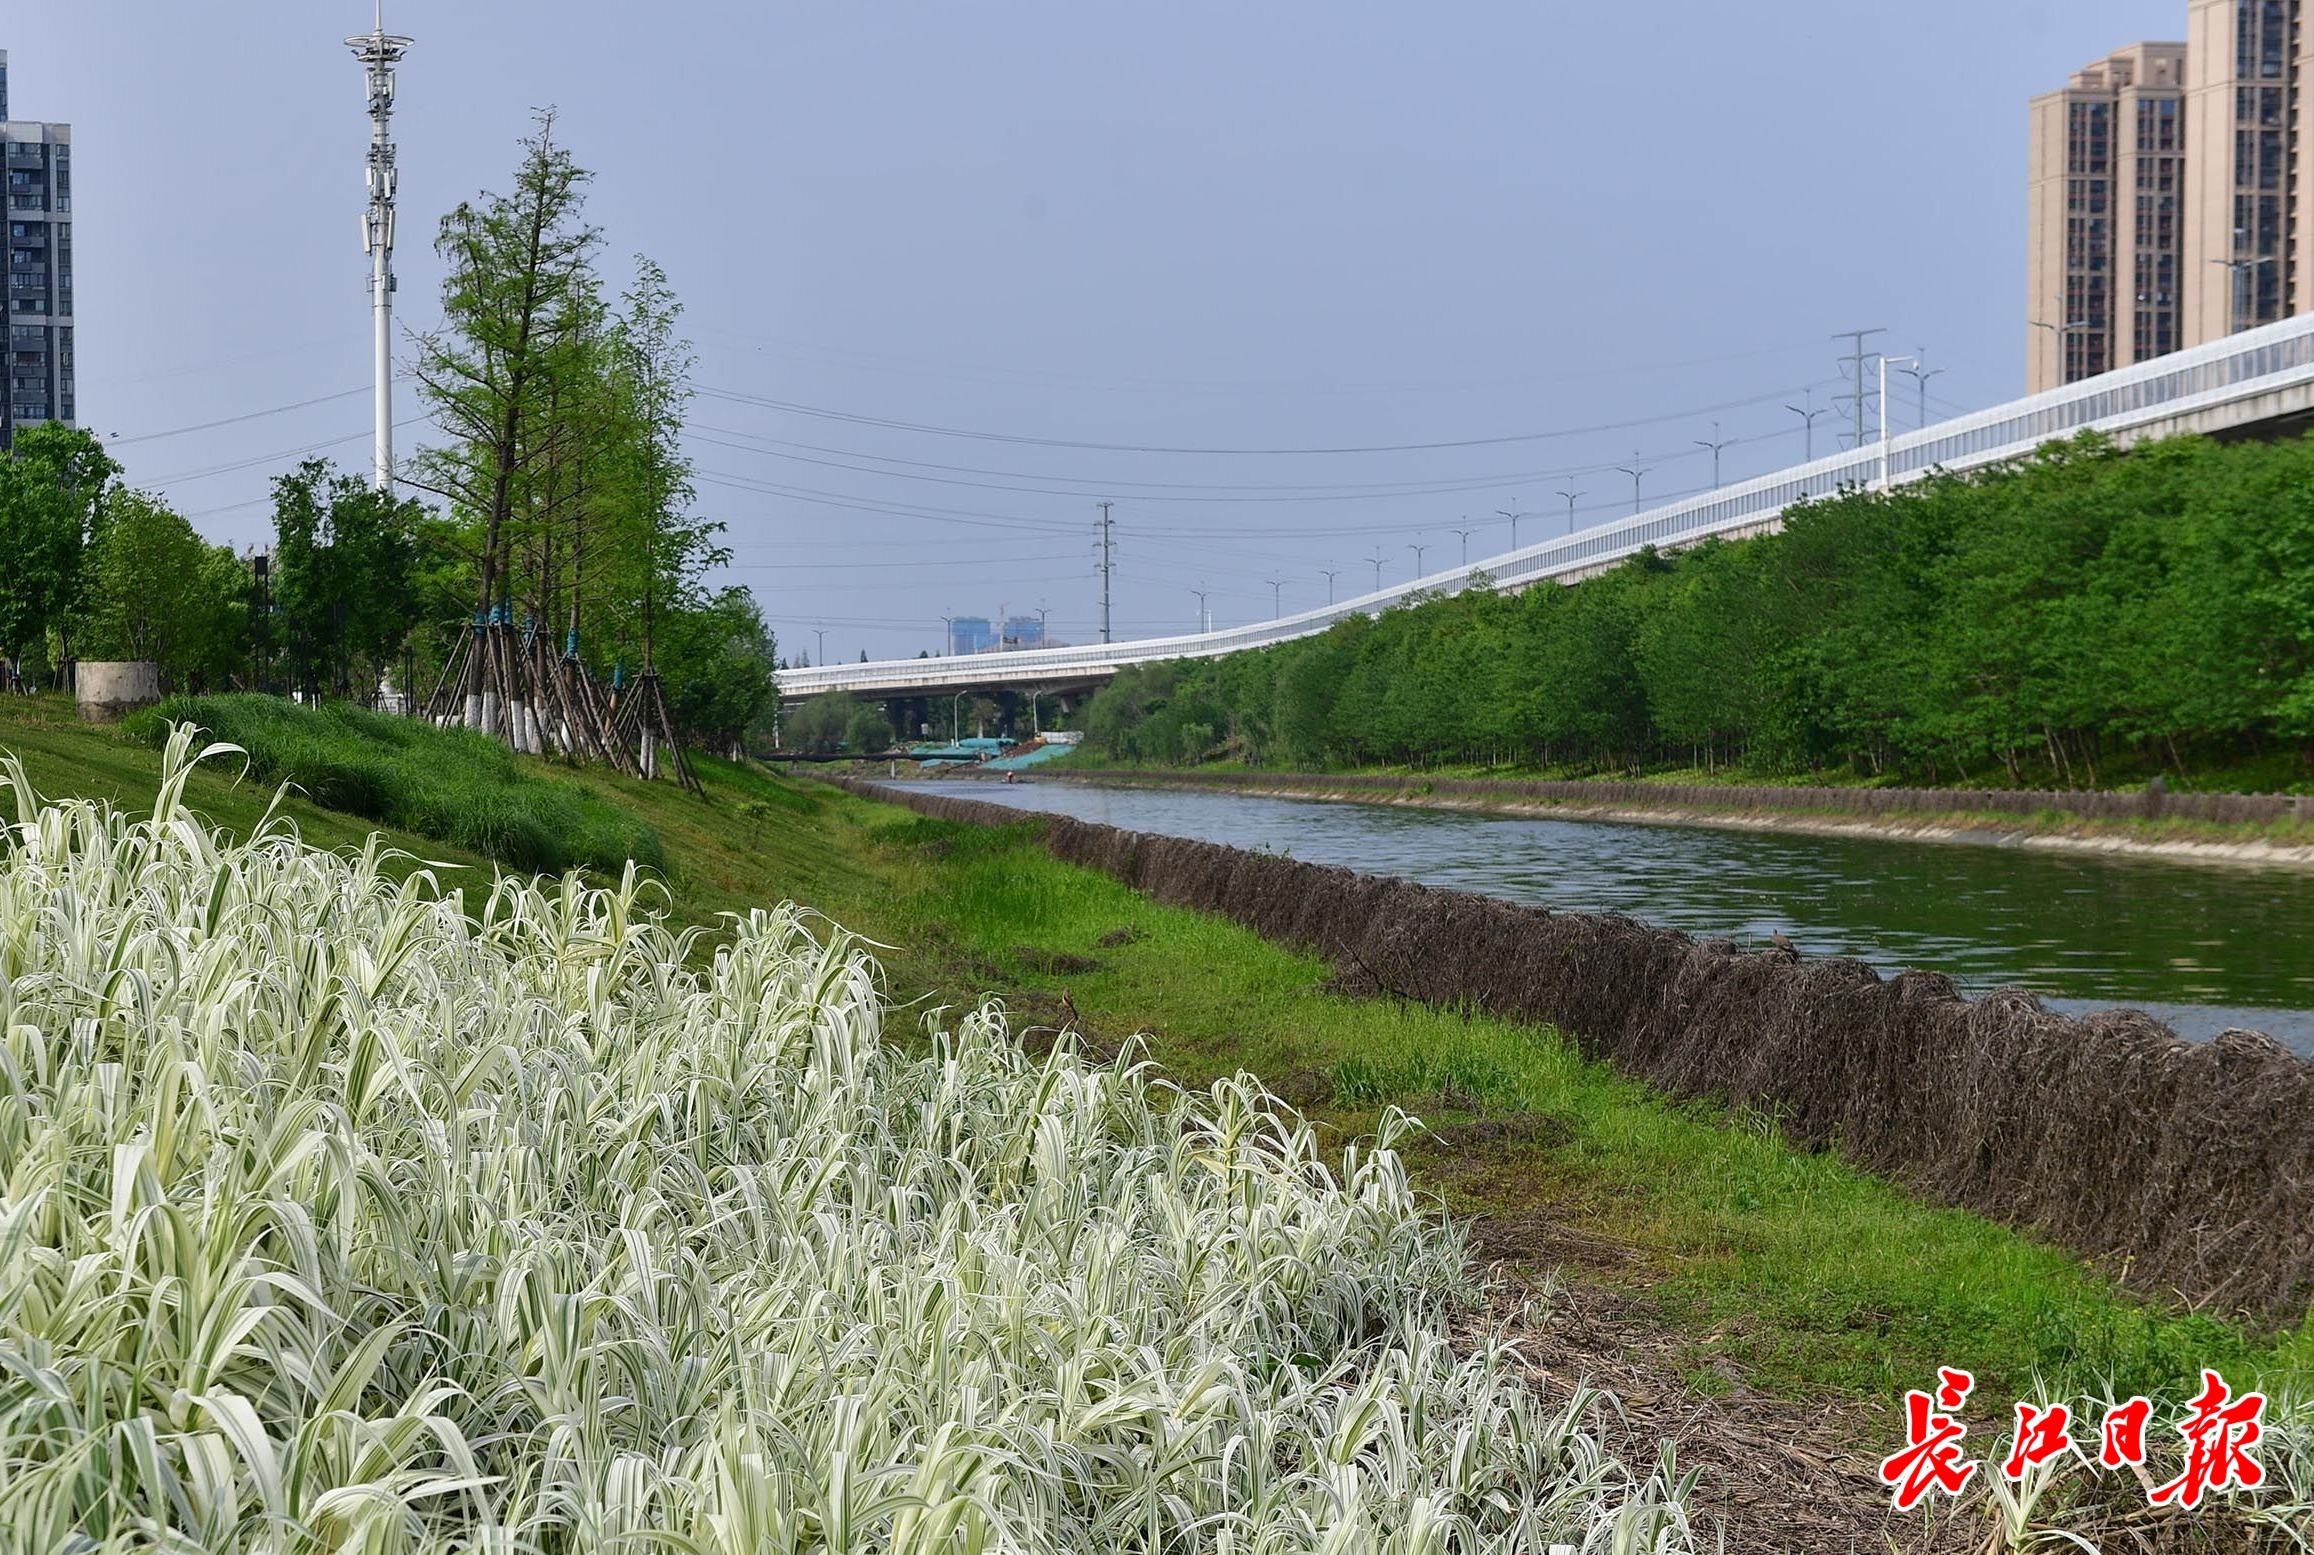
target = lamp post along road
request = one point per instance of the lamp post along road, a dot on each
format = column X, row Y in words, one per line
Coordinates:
column 2236, row 269
column 1331, row 574
column 1571, row 496
column 1514, row 515
column 1886, row 363
column 1635, row 469
column 1715, row 444
column 1808, row 416
column 1920, row 376
column 1377, row 561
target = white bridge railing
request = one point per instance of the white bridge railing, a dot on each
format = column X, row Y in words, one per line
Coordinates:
column 2227, row 382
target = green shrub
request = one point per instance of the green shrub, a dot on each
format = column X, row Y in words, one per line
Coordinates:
column 453, row 785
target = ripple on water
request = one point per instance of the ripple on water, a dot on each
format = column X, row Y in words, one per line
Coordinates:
column 2201, row 947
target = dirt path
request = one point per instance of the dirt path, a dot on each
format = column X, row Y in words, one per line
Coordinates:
column 1776, row 1476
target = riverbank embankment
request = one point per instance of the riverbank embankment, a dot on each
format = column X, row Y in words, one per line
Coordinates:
column 2184, row 1168
column 2273, row 830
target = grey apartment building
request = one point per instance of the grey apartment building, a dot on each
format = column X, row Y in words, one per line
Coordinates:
column 38, row 161
column 2172, row 199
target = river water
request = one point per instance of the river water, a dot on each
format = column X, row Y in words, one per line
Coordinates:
column 2202, row 946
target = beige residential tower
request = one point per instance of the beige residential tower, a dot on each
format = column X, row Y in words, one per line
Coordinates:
column 2170, row 201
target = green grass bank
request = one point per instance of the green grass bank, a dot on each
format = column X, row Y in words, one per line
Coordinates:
column 1760, row 1267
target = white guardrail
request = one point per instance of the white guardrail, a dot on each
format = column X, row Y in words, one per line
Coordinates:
column 2205, row 383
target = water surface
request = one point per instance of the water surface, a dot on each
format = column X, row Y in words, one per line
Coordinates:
column 2203, row 947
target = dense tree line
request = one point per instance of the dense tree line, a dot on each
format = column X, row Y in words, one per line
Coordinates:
column 560, row 503
column 2080, row 614
column 91, row 569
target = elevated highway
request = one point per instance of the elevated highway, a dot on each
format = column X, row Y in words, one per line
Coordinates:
column 2258, row 383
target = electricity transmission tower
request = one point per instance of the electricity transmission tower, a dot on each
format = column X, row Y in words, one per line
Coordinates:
column 1108, row 544
column 380, row 51
column 1858, row 362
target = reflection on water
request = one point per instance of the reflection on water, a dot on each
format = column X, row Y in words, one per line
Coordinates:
column 2204, row 948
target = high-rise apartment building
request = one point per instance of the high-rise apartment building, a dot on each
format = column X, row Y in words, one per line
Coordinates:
column 38, row 161
column 2250, row 222
column 2104, row 276
column 2171, row 204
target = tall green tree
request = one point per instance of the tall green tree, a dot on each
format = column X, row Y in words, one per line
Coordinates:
column 154, row 589
column 506, row 373
column 51, row 484
column 345, row 576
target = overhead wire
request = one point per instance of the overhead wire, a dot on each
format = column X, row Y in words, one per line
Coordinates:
column 234, row 421
column 819, row 412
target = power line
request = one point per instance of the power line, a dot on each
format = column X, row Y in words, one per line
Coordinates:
column 234, row 421
column 854, row 418
column 286, row 453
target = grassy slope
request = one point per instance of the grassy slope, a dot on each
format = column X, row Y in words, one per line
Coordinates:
column 1784, row 1270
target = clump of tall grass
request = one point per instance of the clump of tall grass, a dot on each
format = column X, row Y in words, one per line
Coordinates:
column 337, row 1212
column 453, row 785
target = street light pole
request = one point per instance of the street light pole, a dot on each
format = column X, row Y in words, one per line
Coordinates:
column 2237, row 268
column 947, row 635
column 1331, row 574
column 1376, row 559
column 1514, row 515
column 1920, row 377
column 2061, row 331
column 821, row 633
column 1204, row 617
column 1277, row 596
column 1635, row 469
column 956, row 716
column 1809, row 416
column 1571, row 496
column 1715, row 445
column 1887, row 362
column 1417, row 550
column 1466, row 534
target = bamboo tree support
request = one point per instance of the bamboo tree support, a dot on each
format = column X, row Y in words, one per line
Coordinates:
column 642, row 725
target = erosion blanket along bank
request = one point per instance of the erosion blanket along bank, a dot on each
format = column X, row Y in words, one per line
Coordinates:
column 2188, row 1166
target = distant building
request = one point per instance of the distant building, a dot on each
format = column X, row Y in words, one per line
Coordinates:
column 971, row 634
column 2172, row 202
column 38, row 161
column 1024, row 632
column 2250, row 190
column 2103, row 285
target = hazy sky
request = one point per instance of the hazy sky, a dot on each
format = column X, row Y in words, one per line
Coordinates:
column 1171, row 226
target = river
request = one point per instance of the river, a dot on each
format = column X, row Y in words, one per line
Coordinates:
column 2203, row 947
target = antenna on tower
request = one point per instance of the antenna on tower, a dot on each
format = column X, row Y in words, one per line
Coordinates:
column 380, row 51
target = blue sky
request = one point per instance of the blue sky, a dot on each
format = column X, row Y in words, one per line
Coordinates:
column 1162, row 227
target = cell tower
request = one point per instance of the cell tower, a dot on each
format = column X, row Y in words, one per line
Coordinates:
column 380, row 51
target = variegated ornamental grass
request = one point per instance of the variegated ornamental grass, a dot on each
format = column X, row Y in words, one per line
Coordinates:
column 340, row 1213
